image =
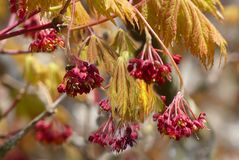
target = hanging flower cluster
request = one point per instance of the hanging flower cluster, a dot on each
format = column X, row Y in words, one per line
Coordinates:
column 52, row 132
column 178, row 120
column 117, row 138
column 81, row 78
column 105, row 105
column 177, row 58
column 46, row 41
column 149, row 67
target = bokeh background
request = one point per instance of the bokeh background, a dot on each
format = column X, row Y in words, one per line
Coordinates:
column 215, row 92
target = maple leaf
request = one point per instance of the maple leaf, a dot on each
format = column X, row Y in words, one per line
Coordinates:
column 99, row 52
column 123, row 42
column 212, row 6
column 50, row 8
column 130, row 99
column 183, row 21
column 121, row 8
column 81, row 16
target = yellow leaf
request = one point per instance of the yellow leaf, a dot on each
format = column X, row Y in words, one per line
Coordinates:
column 99, row 52
column 183, row 21
column 131, row 100
column 212, row 6
column 121, row 8
column 81, row 17
column 50, row 7
column 123, row 42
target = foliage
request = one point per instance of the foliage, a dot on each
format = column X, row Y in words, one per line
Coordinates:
column 131, row 70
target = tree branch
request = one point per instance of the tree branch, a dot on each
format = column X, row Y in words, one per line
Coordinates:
column 9, row 28
column 15, row 102
column 14, row 52
column 23, row 31
column 19, row 135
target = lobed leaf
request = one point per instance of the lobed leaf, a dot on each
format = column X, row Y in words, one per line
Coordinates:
column 121, row 8
column 212, row 6
column 123, row 42
column 131, row 100
column 99, row 52
column 49, row 7
column 183, row 21
column 81, row 17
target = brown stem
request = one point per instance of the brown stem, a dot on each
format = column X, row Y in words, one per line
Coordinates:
column 15, row 102
column 13, row 52
column 64, row 9
column 19, row 135
column 93, row 23
column 68, row 45
column 5, row 136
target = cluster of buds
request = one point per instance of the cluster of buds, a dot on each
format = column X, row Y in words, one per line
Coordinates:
column 104, row 105
column 46, row 41
column 116, row 138
column 52, row 132
column 18, row 7
column 80, row 78
column 149, row 67
column 178, row 120
column 177, row 58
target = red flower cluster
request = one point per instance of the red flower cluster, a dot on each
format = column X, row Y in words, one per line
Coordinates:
column 46, row 41
column 178, row 120
column 177, row 58
column 118, row 139
column 149, row 67
column 104, row 105
column 82, row 78
column 52, row 132
column 18, row 7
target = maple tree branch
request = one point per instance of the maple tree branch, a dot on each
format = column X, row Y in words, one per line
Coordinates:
column 53, row 24
column 23, row 31
column 56, row 22
column 15, row 102
column 19, row 135
column 5, row 136
column 11, row 27
column 14, row 52
column 163, row 46
column 64, row 9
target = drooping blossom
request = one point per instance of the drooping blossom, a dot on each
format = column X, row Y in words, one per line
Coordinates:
column 177, row 58
column 178, row 120
column 149, row 67
column 82, row 78
column 52, row 132
column 104, row 105
column 117, row 138
column 46, row 41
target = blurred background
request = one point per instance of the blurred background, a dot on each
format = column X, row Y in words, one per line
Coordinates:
column 215, row 92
